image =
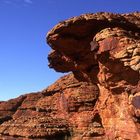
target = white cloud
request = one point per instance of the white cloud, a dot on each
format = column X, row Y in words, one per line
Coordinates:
column 17, row 2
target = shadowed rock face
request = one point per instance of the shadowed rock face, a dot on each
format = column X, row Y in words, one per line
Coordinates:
column 100, row 99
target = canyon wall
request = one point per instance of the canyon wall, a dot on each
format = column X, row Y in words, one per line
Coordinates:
column 99, row 99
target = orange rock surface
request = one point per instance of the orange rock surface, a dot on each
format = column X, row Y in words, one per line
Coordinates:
column 99, row 99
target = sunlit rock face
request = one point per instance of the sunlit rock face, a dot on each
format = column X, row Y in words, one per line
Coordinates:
column 99, row 99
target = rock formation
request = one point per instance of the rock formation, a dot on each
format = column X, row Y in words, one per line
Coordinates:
column 99, row 99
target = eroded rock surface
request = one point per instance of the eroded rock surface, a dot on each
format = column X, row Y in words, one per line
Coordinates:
column 100, row 99
column 56, row 113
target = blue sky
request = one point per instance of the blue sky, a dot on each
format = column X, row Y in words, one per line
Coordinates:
column 23, row 48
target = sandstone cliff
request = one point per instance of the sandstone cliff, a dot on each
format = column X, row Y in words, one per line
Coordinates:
column 99, row 100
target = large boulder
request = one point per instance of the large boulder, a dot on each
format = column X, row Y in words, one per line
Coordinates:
column 99, row 99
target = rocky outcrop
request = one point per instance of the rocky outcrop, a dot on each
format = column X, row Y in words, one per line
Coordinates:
column 100, row 99
column 64, row 109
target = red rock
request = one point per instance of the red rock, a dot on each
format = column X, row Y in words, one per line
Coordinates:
column 100, row 100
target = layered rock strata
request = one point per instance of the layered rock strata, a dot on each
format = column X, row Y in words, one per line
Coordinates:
column 100, row 99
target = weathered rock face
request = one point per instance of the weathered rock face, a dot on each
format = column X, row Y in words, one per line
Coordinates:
column 63, row 110
column 100, row 99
